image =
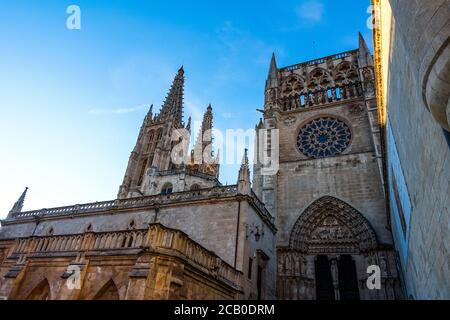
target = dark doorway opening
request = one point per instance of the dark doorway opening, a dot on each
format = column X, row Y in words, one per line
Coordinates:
column 348, row 280
column 447, row 137
column 259, row 282
column 324, row 282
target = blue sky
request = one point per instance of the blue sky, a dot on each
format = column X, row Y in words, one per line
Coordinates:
column 72, row 101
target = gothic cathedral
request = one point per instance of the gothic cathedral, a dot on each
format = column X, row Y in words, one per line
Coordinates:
column 327, row 197
column 316, row 227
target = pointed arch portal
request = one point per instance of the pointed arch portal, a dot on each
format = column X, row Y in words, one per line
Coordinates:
column 327, row 242
column 331, row 225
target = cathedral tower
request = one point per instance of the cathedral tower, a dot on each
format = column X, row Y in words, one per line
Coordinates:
column 327, row 196
column 152, row 168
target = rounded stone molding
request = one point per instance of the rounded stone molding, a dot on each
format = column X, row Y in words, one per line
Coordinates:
column 324, row 137
column 436, row 86
column 448, row 111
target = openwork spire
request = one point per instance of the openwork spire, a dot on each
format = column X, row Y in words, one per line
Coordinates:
column 19, row 203
column 199, row 161
column 205, row 136
column 172, row 108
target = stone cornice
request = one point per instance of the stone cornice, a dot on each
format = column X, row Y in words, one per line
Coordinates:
column 320, row 60
column 339, row 103
column 219, row 193
column 378, row 61
column 380, row 93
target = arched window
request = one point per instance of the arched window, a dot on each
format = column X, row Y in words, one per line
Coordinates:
column 40, row 292
column 302, row 100
column 142, row 173
column 159, row 135
column 167, row 188
column 150, row 141
column 338, row 93
column 195, row 187
column 329, row 94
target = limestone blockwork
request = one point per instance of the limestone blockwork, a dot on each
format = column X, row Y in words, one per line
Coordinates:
column 333, row 230
column 153, row 263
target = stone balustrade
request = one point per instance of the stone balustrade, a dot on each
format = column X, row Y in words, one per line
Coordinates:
column 188, row 172
column 155, row 200
column 133, row 202
column 155, row 237
column 322, row 96
column 314, row 62
column 79, row 208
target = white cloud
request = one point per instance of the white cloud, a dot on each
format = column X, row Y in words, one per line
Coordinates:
column 119, row 110
column 310, row 12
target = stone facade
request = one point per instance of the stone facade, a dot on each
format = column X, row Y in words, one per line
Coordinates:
column 324, row 113
column 221, row 222
column 173, row 233
column 153, row 263
column 412, row 55
column 360, row 183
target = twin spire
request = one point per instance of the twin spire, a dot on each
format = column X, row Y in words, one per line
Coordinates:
column 172, row 111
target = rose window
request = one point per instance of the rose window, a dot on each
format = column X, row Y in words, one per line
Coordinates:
column 324, row 137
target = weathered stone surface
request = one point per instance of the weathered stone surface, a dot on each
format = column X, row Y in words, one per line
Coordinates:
column 413, row 68
column 320, row 191
column 223, row 225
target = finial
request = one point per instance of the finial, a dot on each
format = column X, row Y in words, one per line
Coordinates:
column 272, row 78
column 244, row 175
column 245, row 159
column 260, row 124
column 19, row 203
column 188, row 125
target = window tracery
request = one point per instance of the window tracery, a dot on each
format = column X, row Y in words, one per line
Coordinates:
column 167, row 188
column 324, row 137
